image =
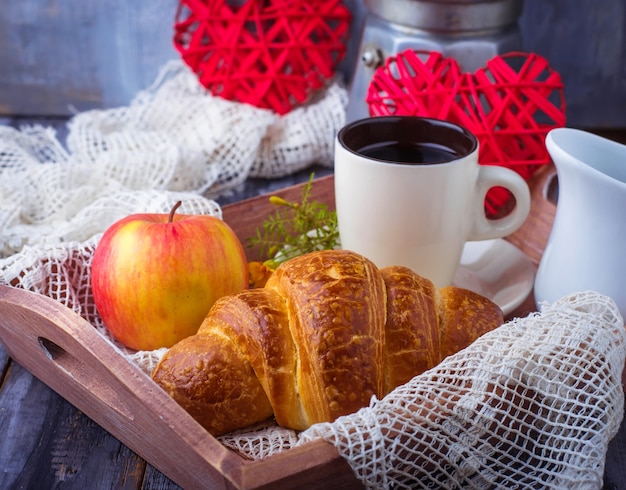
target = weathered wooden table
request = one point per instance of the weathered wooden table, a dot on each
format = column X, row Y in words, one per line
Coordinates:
column 47, row 443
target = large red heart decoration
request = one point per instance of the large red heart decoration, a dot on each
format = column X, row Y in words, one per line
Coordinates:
column 272, row 54
column 510, row 104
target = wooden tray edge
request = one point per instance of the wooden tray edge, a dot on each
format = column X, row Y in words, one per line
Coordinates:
column 67, row 353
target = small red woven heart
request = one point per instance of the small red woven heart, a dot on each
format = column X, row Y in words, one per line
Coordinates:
column 510, row 104
column 272, row 54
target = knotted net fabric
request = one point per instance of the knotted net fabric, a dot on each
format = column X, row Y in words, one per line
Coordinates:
column 174, row 137
column 532, row 404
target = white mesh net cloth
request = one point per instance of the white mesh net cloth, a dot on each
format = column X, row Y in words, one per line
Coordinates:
column 532, row 404
column 173, row 138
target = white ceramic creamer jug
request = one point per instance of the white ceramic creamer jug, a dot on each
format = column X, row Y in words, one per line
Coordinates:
column 586, row 250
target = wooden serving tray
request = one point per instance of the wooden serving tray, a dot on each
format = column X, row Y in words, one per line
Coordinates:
column 64, row 351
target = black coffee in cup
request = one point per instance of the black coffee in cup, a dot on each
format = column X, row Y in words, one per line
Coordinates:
column 407, row 140
column 410, row 191
column 408, row 153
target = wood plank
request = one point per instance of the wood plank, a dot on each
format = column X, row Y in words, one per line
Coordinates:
column 75, row 450
column 4, row 363
column 23, row 401
column 246, row 216
column 533, row 235
column 155, row 480
column 63, row 57
column 315, row 466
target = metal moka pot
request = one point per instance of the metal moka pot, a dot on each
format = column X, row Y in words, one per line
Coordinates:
column 471, row 31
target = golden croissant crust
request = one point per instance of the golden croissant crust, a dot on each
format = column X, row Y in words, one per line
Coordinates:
column 327, row 332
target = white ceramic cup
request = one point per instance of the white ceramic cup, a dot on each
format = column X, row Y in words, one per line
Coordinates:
column 396, row 209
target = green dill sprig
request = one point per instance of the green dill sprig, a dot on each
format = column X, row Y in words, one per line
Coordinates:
column 296, row 228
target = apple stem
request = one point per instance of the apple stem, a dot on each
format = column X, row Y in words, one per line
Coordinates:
column 173, row 211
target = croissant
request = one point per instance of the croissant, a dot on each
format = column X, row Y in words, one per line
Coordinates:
column 327, row 332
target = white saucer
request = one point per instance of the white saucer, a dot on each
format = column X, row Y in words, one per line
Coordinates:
column 498, row 270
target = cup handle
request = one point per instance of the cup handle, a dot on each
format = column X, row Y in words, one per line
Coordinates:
column 495, row 176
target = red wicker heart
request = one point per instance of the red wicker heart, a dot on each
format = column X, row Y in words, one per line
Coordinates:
column 510, row 104
column 272, row 54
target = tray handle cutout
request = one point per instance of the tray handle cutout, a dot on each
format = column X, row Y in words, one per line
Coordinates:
column 82, row 375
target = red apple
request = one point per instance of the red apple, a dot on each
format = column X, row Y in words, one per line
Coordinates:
column 155, row 276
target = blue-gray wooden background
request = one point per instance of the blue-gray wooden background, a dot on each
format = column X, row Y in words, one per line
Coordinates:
column 58, row 57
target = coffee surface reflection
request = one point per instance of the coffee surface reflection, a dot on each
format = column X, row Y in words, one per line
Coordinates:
column 408, row 153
